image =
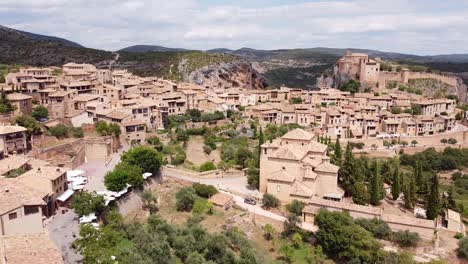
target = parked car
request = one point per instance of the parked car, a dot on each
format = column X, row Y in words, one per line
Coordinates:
column 250, row 200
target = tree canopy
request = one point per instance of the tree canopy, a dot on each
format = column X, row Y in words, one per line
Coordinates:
column 145, row 157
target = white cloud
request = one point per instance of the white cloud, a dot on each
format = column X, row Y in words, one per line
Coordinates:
column 419, row 26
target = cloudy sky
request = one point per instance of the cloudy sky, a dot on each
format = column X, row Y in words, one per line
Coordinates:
column 413, row 26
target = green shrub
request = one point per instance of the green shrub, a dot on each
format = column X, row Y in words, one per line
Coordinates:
column 207, row 166
column 185, row 198
column 207, row 149
column 406, row 238
column 59, row 131
column 203, row 190
column 463, row 248
column 199, row 206
column 77, row 132
column 40, row 112
column 270, row 201
column 295, row 207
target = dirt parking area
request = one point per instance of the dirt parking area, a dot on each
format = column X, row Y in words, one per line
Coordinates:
column 195, row 152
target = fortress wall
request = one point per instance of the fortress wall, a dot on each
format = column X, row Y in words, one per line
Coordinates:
column 450, row 80
column 386, row 76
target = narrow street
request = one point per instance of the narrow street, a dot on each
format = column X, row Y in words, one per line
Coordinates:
column 63, row 228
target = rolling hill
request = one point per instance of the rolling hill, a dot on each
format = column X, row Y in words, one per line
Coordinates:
column 38, row 50
column 148, row 48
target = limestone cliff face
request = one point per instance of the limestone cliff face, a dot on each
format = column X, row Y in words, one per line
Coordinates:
column 235, row 74
column 462, row 88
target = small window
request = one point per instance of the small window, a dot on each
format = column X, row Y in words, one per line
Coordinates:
column 31, row 210
column 12, row 216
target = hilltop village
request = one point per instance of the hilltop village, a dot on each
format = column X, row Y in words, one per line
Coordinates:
column 64, row 129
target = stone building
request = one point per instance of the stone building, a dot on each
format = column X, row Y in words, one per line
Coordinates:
column 12, row 140
column 295, row 166
column 357, row 66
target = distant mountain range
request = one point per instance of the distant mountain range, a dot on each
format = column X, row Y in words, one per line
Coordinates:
column 66, row 42
column 149, row 48
column 291, row 67
column 19, row 47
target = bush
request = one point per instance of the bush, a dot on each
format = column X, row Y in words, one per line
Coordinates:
column 40, row 112
column 459, row 235
column 77, row 132
column 270, row 201
column 59, row 131
column 207, row 166
column 207, row 149
column 199, row 206
column 406, row 238
column 295, row 207
column 185, row 198
column 203, row 190
column 463, row 248
column 378, row 228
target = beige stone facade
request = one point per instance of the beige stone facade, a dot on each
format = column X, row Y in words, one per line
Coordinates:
column 295, row 166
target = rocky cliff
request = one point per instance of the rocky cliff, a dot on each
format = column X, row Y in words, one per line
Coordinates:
column 236, row 74
column 203, row 68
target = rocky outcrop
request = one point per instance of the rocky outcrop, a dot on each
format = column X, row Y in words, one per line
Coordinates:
column 462, row 88
column 235, row 74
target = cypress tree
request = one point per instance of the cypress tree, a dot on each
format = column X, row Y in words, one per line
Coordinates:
column 433, row 202
column 396, row 187
column 5, row 104
column 375, row 188
column 337, row 153
column 451, row 204
column 418, row 174
column 261, row 140
column 347, row 171
column 412, row 190
column 407, row 196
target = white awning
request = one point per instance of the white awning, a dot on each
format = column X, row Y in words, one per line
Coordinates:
column 88, row 218
column 146, row 175
column 75, row 173
column 64, row 196
column 77, row 186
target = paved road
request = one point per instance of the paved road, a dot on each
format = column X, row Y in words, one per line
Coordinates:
column 62, row 228
column 231, row 184
column 95, row 171
column 239, row 185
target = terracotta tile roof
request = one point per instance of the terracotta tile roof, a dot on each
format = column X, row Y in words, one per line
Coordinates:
column 299, row 189
column 14, row 194
column 34, row 248
column 117, row 115
column 11, row 129
column 327, row 167
column 221, row 199
column 291, row 152
column 18, row 96
column 281, row 175
column 298, row 134
column 12, row 163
